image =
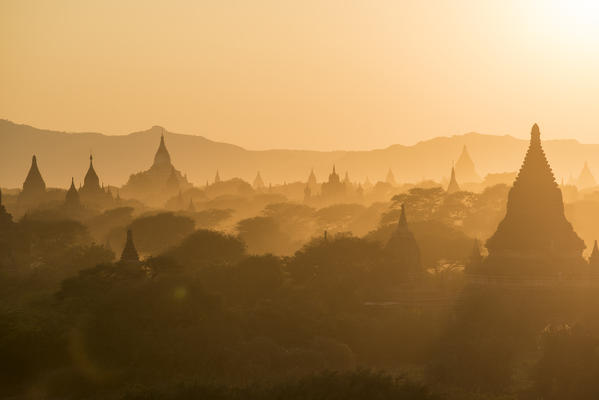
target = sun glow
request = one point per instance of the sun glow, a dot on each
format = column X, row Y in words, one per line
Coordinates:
column 575, row 22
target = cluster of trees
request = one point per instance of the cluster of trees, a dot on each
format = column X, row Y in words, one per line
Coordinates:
column 218, row 315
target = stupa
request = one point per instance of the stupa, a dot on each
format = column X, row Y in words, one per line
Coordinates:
column 534, row 237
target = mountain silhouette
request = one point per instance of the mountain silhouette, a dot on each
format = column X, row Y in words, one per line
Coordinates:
column 62, row 155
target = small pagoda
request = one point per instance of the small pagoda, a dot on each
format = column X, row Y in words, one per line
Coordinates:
column 453, row 186
column 129, row 255
column 534, row 237
column 34, row 188
column 402, row 247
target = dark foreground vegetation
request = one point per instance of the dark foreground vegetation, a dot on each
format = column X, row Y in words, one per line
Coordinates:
column 207, row 318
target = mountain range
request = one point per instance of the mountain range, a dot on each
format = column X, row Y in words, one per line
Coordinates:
column 63, row 155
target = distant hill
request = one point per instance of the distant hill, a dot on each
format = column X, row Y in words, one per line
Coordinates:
column 62, row 155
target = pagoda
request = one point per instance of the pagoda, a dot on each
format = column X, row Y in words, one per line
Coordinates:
column 129, row 255
column 72, row 200
column 586, row 178
column 91, row 192
column 333, row 189
column 34, row 187
column 402, row 247
column 390, row 179
column 156, row 184
column 453, row 186
column 534, row 236
column 258, row 182
column 464, row 168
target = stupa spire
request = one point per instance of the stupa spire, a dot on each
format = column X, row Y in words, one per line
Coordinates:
column 464, row 168
column 162, row 158
column 34, row 181
column 129, row 254
column 453, row 186
column 535, row 231
column 91, row 180
column 72, row 199
column 402, row 247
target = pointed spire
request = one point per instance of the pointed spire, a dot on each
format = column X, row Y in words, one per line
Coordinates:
column 217, row 177
column 465, row 170
column 258, row 182
column 312, row 178
column 535, row 232
column 72, row 199
column 129, row 254
column 91, row 182
column 594, row 258
column 453, row 186
column 34, row 183
column 402, row 247
column 586, row 178
column 162, row 158
column 390, row 178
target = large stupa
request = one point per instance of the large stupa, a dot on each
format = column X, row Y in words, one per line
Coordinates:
column 535, row 237
column 160, row 182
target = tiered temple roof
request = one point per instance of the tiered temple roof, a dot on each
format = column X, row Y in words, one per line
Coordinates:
column 535, row 235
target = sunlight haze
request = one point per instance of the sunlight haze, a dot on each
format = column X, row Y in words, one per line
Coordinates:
column 316, row 75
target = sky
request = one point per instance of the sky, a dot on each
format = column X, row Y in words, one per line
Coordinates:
column 309, row 74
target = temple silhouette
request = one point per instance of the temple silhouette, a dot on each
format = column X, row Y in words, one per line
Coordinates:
column 465, row 171
column 34, row 188
column 453, row 186
column 402, row 248
column 129, row 254
column 534, row 237
column 333, row 189
column 586, row 178
column 92, row 193
column 158, row 183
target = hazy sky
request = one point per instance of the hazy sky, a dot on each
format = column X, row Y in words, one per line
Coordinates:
column 354, row 74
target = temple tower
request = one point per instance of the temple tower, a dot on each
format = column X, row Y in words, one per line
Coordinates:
column 390, row 179
column 586, row 178
column 464, row 168
column 258, row 182
column 453, row 186
column 72, row 200
column 162, row 158
column 535, row 235
column 34, row 187
column 129, row 254
column 402, row 247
